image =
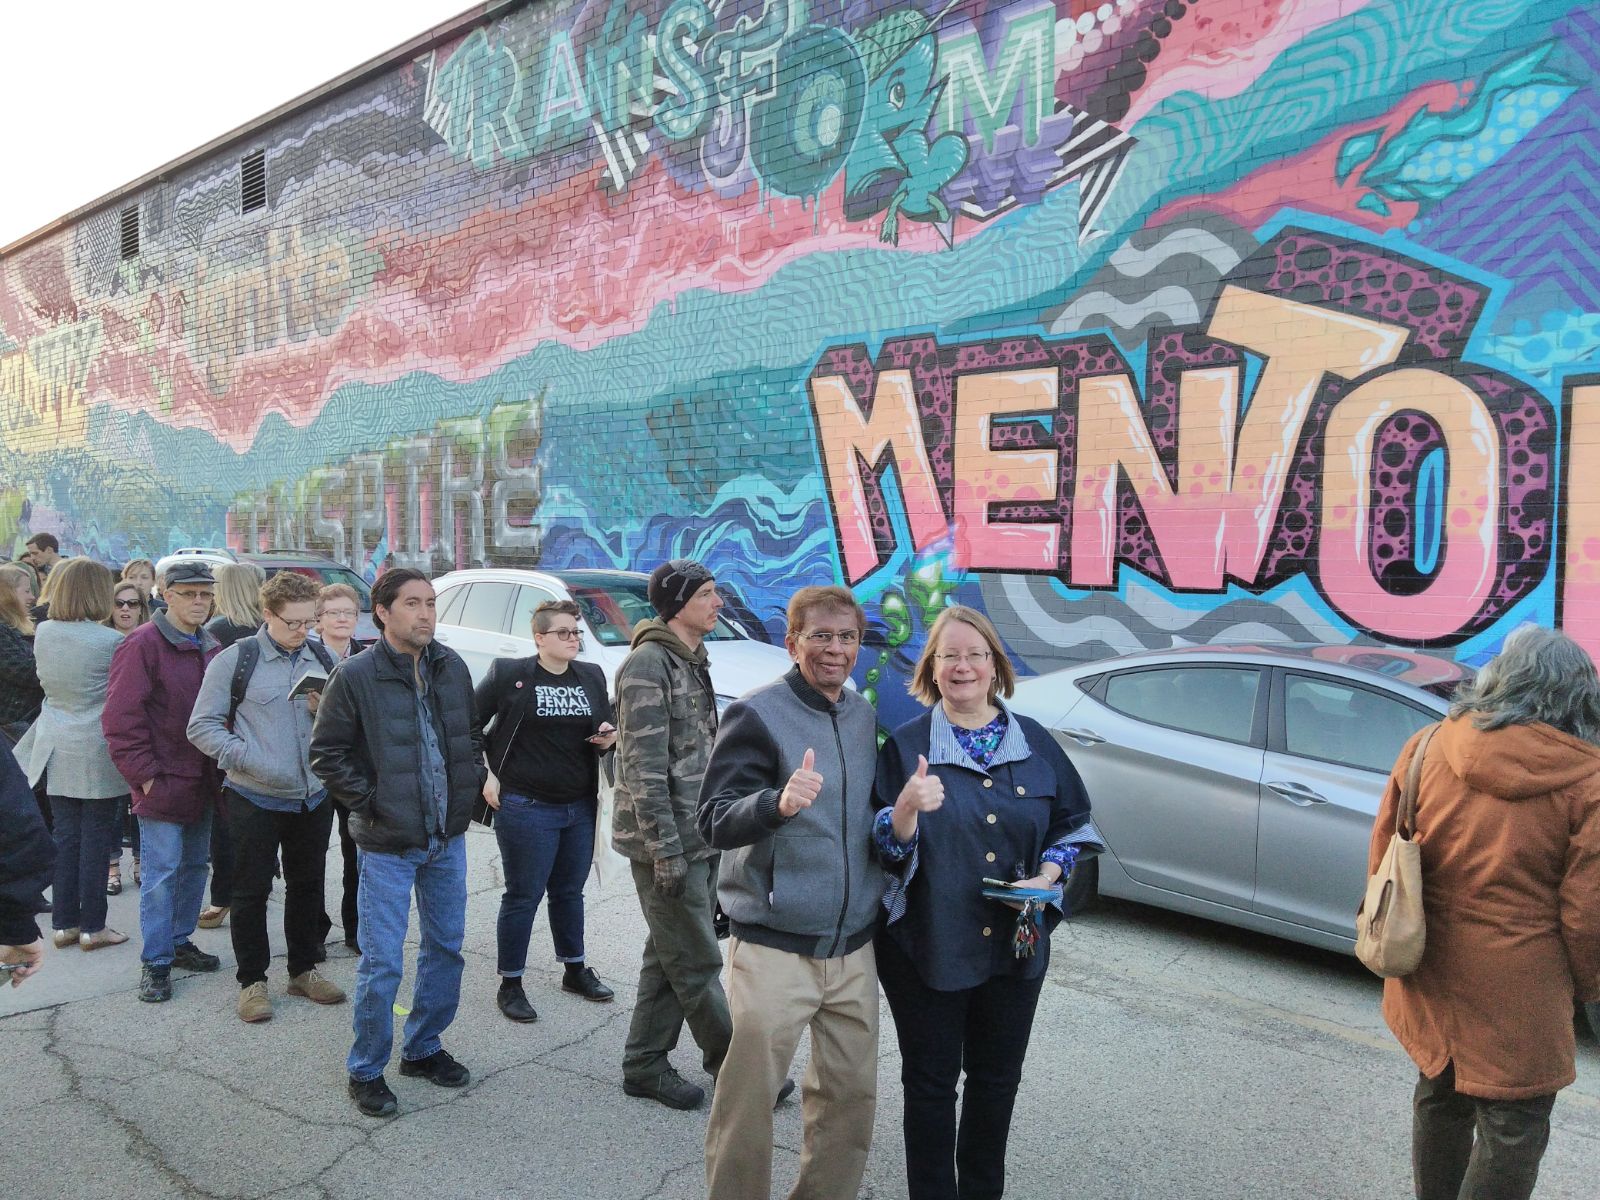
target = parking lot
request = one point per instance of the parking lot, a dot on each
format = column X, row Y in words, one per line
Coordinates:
column 1172, row 1058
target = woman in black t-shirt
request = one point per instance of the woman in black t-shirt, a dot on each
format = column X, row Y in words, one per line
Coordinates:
column 549, row 721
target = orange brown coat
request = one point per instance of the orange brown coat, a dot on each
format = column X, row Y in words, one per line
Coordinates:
column 1509, row 822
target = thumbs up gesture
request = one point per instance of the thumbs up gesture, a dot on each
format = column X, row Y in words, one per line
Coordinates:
column 923, row 792
column 803, row 787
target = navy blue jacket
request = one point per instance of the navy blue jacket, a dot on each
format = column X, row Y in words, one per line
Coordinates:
column 993, row 825
column 27, row 855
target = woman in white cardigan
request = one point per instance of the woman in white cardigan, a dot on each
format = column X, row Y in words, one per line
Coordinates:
column 67, row 749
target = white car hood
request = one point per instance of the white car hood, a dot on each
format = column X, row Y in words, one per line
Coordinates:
column 741, row 666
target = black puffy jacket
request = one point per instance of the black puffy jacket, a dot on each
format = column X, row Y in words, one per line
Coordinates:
column 366, row 749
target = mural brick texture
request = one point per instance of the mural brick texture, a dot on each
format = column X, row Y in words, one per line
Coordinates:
column 1135, row 324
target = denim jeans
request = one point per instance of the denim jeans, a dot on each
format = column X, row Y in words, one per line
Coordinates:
column 439, row 877
column 543, row 847
column 83, row 837
column 174, row 868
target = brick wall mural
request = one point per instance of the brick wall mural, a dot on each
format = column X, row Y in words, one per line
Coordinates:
column 1134, row 323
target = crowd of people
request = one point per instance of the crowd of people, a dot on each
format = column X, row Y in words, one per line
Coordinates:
column 236, row 718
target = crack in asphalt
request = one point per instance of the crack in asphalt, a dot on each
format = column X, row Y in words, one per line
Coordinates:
column 140, row 1145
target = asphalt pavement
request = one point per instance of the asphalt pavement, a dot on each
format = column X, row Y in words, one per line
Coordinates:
column 1172, row 1059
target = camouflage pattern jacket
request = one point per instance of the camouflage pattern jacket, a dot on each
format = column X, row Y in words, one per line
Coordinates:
column 666, row 722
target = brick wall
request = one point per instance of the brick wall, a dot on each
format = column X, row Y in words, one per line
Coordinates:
column 1133, row 323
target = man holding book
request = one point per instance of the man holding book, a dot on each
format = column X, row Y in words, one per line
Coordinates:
column 254, row 716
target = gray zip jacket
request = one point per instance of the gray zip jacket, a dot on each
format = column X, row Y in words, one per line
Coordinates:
column 268, row 750
column 809, row 884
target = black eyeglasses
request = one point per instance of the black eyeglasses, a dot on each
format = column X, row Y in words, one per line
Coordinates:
column 126, row 603
column 566, row 635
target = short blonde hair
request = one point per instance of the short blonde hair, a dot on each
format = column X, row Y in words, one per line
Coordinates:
column 137, row 562
column 924, row 686
column 337, row 591
column 81, row 590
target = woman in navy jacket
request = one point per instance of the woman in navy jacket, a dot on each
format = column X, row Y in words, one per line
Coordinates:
column 968, row 791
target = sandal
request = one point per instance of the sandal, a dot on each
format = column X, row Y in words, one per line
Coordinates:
column 212, row 917
column 114, row 880
column 136, row 880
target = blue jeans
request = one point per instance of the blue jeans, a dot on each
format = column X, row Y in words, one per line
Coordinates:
column 543, row 847
column 83, row 836
column 439, row 877
column 174, row 859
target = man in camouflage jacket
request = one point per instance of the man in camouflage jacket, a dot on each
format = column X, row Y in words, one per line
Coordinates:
column 666, row 722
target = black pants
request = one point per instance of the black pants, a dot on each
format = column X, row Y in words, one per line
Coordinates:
column 349, row 914
column 1500, row 1163
column 257, row 835
column 984, row 1031
column 221, row 861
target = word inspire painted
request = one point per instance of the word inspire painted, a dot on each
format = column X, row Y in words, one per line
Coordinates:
column 919, row 126
column 454, row 498
column 1321, row 422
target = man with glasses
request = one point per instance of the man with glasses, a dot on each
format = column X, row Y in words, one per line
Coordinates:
column 254, row 716
column 155, row 677
column 666, row 720
column 787, row 798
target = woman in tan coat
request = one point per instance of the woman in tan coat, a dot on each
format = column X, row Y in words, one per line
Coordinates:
column 1508, row 814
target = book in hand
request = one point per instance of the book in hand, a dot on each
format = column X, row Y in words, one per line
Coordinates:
column 313, row 680
column 999, row 889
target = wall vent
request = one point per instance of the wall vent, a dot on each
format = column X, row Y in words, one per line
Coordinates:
column 253, row 180
column 130, row 232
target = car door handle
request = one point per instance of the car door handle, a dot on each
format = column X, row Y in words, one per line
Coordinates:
column 1298, row 793
column 1086, row 737
column 509, row 648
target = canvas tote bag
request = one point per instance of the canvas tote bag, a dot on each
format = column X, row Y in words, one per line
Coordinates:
column 1390, row 927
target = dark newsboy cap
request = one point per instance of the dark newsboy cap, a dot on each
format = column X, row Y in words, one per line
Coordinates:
column 196, row 571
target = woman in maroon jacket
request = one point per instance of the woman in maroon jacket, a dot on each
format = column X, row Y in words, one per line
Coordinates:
column 155, row 677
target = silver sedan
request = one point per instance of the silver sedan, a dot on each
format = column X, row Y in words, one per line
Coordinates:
column 1240, row 783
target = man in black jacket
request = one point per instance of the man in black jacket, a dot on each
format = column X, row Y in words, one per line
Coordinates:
column 398, row 742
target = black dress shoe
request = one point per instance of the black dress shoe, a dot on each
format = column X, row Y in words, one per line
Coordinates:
column 437, row 1068
column 584, row 982
column 513, row 1002
column 785, row 1091
column 373, row 1097
column 191, row 958
column 719, row 923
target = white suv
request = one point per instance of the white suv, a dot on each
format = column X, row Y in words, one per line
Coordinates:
column 486, row 613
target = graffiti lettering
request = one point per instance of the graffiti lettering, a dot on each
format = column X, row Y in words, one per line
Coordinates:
column 1040, row 456
column 43, row 386
column 464, row 495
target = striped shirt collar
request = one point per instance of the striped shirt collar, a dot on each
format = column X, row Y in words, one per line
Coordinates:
column 944, row 748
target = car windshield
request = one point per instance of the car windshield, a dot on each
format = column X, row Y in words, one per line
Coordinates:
column 331, row 573
column 612, row 610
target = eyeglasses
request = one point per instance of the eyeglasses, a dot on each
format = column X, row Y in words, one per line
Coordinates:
column 972, row 658
column 293, row 626
column 126, row 603
column 348, row 614
column 825, row 637
column 566, row 635
column 177, row 595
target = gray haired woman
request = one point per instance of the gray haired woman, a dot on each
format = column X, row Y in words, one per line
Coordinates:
column 1508, row 817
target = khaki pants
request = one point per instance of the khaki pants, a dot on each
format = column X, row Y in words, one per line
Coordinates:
column 774, row 995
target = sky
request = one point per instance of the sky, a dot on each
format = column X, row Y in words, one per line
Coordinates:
column 96, row 93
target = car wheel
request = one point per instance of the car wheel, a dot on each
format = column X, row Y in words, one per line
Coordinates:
column 1083, row 888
